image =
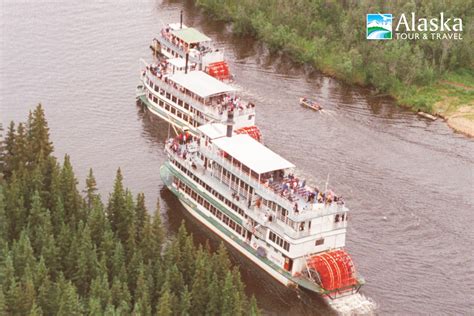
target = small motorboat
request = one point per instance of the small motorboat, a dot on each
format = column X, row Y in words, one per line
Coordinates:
column 310, row 104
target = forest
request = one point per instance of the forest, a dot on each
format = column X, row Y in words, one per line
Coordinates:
column 434, row 76
column 64, row 252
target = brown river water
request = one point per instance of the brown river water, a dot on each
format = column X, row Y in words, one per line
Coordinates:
column 408, row 181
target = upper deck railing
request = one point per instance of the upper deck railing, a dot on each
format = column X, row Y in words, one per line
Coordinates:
column 210, row 110
column 306, row 210
column 258, row 214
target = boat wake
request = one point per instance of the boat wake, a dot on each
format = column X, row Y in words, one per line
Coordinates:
column 355, row 304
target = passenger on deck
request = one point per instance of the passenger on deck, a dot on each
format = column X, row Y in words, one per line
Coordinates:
column 295, row 208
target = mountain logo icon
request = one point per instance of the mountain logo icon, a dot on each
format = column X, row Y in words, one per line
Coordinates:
column 379, row 26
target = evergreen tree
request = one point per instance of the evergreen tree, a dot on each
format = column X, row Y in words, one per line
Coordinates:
column 120, row 294
column 87, row 263
column 185, row 308
column 23, row 256
column 164, row 307
column 228, row 302
column 214, row 303
column 3, row 306
column 100, row 291
column 91, row 189
column 8, row 152
column 69, row 302
column 39, row 224
column 254, row 311
column 20, row 151
column 15, row 208
column 71, row 198
column 3, row 221
column 142, row 295
column 41, row 146
column 141, row 217
column 2, row 154
column 199, row 289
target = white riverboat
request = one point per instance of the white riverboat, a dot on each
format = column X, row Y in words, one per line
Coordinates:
column 176, row 40
column 188, row 98
column 249, row 196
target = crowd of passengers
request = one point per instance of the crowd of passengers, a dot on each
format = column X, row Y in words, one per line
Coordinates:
column 287, row 186
column 294, row 189
column 200, row 49
column 222, row 103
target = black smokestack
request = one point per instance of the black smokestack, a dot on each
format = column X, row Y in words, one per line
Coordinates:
column 186, row 66
column 181, row 20
column 230, row 122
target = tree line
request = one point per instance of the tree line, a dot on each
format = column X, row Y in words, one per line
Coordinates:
column 331, row 35
column 65, row 252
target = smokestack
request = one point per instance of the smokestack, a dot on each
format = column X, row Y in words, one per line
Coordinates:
column 230, row 122
column 186, row 66
column 181, row 20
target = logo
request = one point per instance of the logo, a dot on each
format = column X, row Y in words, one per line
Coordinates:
column 379, row 26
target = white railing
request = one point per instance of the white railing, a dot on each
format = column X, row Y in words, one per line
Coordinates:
column 316, row 210
column 212, row 112
column 179, row 50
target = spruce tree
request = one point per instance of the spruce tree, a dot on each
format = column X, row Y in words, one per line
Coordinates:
column 254, row 311
column 71, row 198
column 69, row 301
column 41, row 146
column 141, row 217
column 199, row 288
column 3, row 305
column 8, row 153
column 87, row 263
column 214, row 303
column 91, row 190
column 228, row 302
column 3, row 221
column 164, row 307
column 185, row 308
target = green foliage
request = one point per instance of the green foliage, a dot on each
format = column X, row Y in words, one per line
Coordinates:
column 331, row 36
column 62, row 253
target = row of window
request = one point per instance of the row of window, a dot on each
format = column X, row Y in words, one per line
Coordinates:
column 173, row 110
column 176, row 100
column 211, row 190
column 214, row 211
column 234, row 182
column 279, row 241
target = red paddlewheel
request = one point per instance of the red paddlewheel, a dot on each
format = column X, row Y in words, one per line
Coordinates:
column 252, row 131
column 219, row 70
column 335, row 269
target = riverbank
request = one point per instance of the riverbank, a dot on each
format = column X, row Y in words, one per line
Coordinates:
column 454, row 101
column 327, row 37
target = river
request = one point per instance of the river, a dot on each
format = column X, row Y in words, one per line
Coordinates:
column 408, row 181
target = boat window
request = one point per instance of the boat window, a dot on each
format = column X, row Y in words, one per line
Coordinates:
column 319, row 241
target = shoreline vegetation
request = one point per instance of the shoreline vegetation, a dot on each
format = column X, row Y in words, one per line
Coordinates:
column 432, row 76
column 67, row 253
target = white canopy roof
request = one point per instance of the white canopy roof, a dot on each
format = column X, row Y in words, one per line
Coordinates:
column 213, row 130
column 252, row 153
column 201, row 83
column 176, row 26
column 177, row 62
